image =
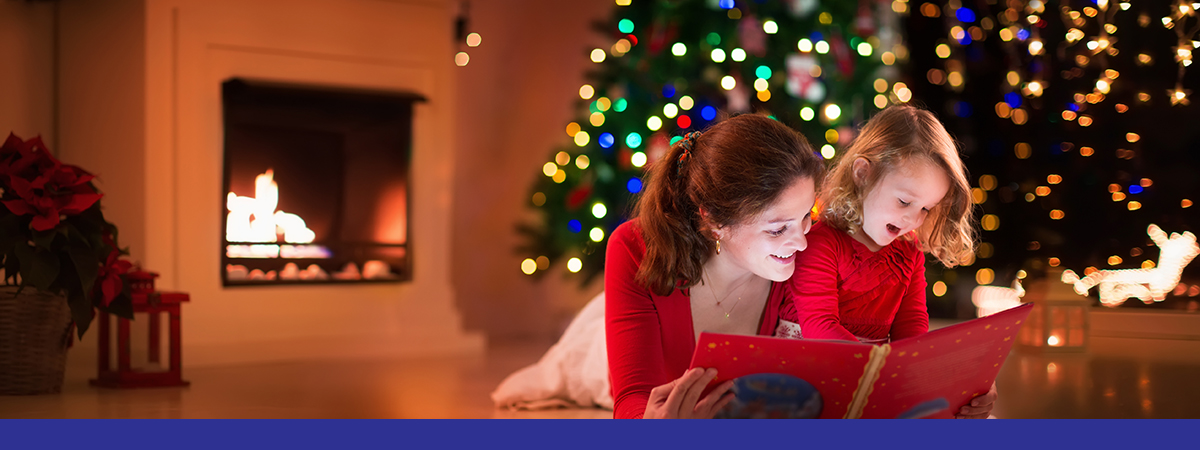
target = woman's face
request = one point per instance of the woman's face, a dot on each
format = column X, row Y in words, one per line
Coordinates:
column 767, row 245
column 900, row 201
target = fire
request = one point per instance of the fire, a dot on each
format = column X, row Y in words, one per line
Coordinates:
column 255, row 219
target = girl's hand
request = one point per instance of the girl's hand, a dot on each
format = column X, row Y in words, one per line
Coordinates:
column 979, row 408
column 680, row 399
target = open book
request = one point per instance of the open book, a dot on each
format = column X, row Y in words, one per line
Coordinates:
column 932, row 375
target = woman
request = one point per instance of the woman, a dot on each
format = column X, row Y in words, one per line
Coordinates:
column 714, row 237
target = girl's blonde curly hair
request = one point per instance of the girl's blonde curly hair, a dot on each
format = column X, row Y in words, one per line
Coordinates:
column 896, row 136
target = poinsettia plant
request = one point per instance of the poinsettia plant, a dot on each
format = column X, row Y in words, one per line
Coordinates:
column 53, row 236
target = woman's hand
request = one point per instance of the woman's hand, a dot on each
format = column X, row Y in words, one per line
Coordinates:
column 979, row 408
column 680, row 399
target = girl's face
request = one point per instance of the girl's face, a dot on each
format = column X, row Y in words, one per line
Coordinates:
column 767, row 245
column 900, row 201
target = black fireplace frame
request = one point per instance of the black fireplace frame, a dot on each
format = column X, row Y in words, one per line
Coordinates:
column 242, row 87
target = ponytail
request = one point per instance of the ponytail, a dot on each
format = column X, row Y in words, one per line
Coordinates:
column 670, row 222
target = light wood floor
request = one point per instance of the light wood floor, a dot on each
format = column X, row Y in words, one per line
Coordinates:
column 1116, row 378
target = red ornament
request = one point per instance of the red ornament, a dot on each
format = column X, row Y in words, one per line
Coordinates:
column 657, row 147
column 752, row 36
column 841, row 54
column 661, row 35
column 578, row 196
column 864, row 21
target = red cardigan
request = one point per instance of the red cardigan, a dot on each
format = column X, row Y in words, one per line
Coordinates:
column 650, row 337
column 843, row 290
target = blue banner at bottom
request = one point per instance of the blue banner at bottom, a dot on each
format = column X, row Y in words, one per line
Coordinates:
column 598, row 434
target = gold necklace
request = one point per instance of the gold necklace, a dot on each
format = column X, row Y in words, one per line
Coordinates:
column 718, row 302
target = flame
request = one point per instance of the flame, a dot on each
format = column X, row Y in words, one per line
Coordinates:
column 255, row 219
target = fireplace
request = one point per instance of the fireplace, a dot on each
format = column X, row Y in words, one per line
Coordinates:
column 316, row 185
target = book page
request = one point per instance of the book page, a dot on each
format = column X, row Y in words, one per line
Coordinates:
column 937, row 373
column 827, row 373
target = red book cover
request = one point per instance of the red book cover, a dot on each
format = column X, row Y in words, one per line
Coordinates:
column 932, row 375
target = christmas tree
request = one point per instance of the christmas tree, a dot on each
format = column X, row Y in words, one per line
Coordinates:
column 673, row 66
column 1076, row 122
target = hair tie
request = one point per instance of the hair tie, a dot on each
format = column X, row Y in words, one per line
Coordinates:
column 688, row 140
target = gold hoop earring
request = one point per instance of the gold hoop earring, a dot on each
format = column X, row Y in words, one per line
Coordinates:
column 718, row 246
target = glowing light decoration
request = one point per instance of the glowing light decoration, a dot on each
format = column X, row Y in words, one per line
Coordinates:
column 728, row 82
column 718, row 55
column 653, row 123
column 596, row 234
column 1148, row 285
column 989, row 300
column 832, row 112
column 637, row 159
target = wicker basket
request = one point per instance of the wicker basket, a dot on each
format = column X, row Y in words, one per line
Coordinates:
column 34, row 333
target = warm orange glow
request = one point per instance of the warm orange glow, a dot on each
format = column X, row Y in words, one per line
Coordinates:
column 1056, row 214
column 1086, row 151
column 1054, row 262
column 267, row 223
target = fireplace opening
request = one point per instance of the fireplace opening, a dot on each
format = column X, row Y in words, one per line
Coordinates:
column 316, row 185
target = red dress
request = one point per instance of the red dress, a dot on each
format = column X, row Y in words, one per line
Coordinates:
column 650, row 337
column 843, row 290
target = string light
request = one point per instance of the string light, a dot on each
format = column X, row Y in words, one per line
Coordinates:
column 1148, row 284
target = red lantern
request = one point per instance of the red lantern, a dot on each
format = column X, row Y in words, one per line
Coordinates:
column 146, row 300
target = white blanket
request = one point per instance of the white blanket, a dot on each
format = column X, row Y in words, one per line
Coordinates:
column 574, row 372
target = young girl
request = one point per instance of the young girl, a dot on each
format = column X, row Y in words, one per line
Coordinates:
column 715, row 236
column 899, row 191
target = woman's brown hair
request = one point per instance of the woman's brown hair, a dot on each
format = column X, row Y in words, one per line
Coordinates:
column 733, row 171
column 898, row 135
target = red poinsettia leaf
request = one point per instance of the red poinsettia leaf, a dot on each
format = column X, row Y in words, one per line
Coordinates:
column 19, row 207
column 110, row 286
column 21, row 187
column 79, row 202
column 11, row 145
column 45, row 221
